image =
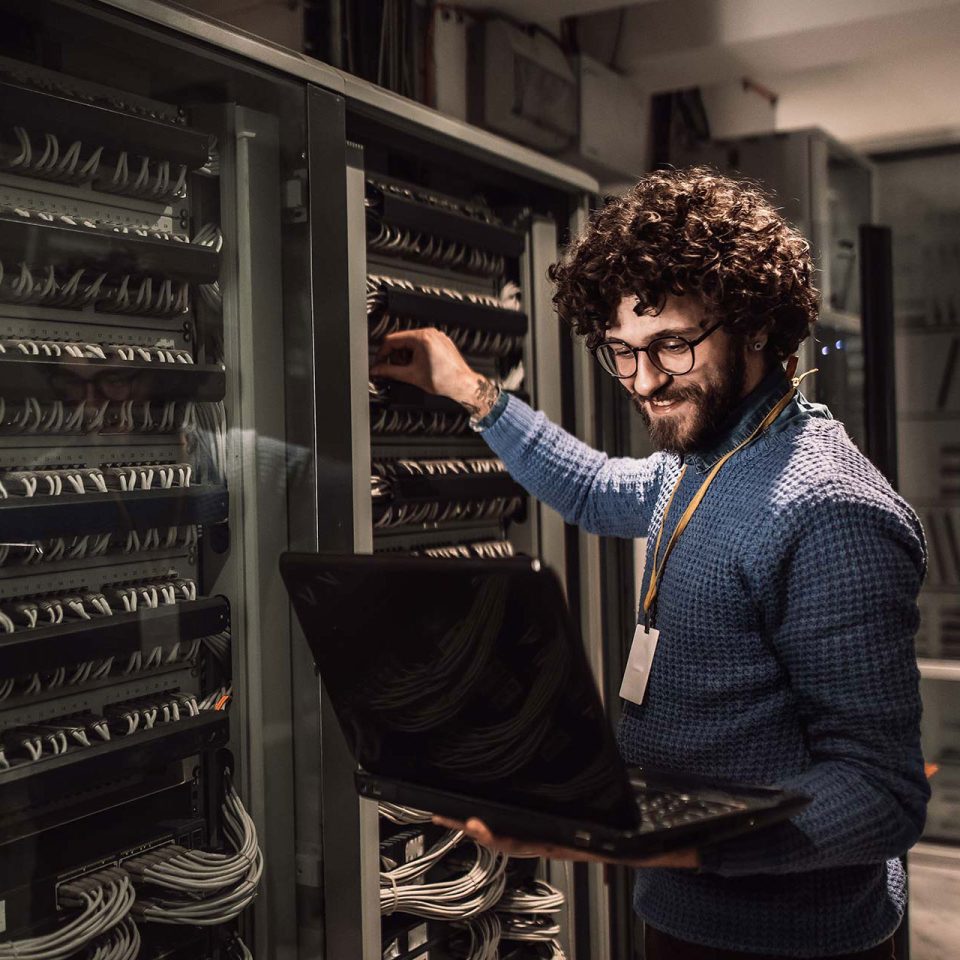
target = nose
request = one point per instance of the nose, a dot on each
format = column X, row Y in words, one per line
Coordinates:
column 648, row 379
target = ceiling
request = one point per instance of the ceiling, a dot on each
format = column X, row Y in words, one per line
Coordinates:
column 872, row 72
column 668, row 44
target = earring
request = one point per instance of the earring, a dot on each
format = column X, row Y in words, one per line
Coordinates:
column 759, row 345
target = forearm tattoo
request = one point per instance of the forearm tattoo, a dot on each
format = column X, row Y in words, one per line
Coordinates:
column 483, row 399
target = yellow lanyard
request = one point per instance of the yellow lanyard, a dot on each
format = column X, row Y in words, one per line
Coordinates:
column 657, row 569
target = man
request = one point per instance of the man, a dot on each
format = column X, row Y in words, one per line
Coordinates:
column 782, row 570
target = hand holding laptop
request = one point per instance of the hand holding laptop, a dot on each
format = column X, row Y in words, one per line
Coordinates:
column 685, row 859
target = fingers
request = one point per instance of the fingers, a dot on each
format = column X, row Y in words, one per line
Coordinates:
column 401, row 356
column 405, row 372
column 400, row 339
column 686, row 859
column 477, row 830
column 449, row 824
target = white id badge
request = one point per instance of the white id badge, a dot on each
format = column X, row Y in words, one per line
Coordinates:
column 640, row 661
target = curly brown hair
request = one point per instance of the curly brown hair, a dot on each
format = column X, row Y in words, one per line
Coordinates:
column 691, row 232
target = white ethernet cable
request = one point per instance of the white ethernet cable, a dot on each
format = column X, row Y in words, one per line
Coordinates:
column 396, row 813
column 474, row 891
column 104, row 898
column 214, row 888
column 240, row 949
column 120, row 943
column 534, row 896
column 529, row 929
column 483, row 937
column 407, row 872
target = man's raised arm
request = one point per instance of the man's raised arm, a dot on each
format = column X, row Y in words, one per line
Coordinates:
column 609, row 496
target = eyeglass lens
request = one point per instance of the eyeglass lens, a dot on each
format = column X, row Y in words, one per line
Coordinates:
column 672, row 355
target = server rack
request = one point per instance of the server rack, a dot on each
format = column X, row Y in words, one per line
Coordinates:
column 918, row 197
column 142, row 506
column 438, row 233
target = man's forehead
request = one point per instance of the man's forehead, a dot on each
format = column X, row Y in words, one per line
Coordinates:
column 678, row 314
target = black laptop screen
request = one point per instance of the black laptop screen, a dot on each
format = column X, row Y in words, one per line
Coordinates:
column 462, row 676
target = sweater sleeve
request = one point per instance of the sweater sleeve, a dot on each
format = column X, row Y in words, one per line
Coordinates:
column 609, row 496
column 842, row 619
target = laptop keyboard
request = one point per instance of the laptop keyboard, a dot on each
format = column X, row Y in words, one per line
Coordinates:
column 659, row 810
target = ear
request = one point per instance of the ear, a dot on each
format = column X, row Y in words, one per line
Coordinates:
column 757, row 341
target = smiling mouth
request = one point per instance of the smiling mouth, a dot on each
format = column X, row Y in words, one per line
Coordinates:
column 661, row 406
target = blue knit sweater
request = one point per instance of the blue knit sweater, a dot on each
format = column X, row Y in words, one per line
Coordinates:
column 787, row 613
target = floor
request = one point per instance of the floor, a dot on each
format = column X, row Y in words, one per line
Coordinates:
column 934, row 908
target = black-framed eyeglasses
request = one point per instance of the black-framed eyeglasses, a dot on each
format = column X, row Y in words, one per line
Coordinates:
column 671, row 355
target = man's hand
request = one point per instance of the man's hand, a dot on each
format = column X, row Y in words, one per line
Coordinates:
column 686, row 859
column 431, row 361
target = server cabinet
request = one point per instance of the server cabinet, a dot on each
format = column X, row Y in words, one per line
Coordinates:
column 144, row 698
column 437, row 231
column 918, row 197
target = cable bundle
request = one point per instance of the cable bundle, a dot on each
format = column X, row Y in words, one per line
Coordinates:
column 531, row 950
column 104, row 900
column 532, row 897
column 149, row 179
column 483, row 549
column 219, row 646
column 151, row 594
column 501, row 509
column 98, row 416
column 49, row 284
column 119, row 352
column 238, row 950
column 468, row 339
column 208, row 888
column 209, row 235
column 96, row 545
column 473, row 891
column 399, row 814
column 60, row 735
column 533, row 929
column 211, row 433
column 120, row 943
column 125, row 293
column 126, row 478
column 434, row 423
column 445, row 467
column 218, row 699
column 444, row 252
column 478, row 938
column 464, row 208
column 426, row 247
column 399, row 874
column 527, row 913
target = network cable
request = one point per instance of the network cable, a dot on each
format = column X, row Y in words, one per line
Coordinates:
column 104, row 900
column 210, row 888
column 475, row 890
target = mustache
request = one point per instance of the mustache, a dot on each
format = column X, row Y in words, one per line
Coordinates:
column 670, row 392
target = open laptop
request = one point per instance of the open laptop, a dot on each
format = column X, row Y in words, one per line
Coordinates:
column 462, row 688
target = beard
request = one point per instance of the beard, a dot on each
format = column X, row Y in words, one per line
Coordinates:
column 709, row 408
